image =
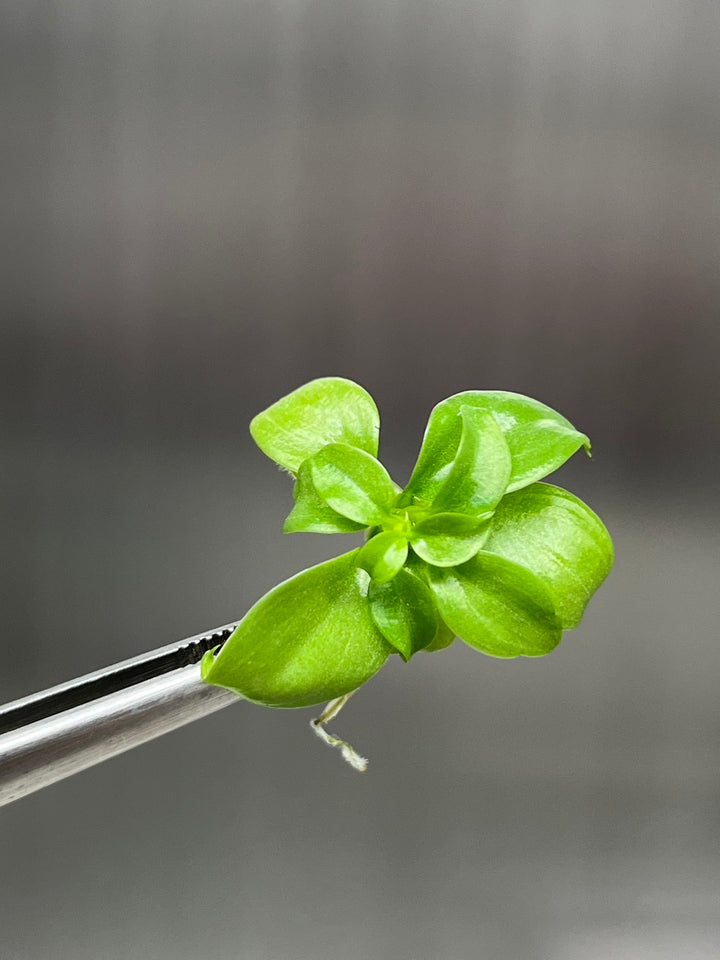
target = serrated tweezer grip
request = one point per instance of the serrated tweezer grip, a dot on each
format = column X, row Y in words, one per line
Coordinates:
column 60, row 731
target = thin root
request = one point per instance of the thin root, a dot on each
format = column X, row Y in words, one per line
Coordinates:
column 347, row 750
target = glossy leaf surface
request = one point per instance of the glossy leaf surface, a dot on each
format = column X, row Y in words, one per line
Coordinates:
column 383, row 556
column 448, row 539
column 444, row 636
column 481, row 470
column 310, row 639
column 474, row 547
column 540, row 440
column 558, row 538
column 353, row 483
column 328, row 410
column 497, row 607
column 405, row 613
column 311, row 514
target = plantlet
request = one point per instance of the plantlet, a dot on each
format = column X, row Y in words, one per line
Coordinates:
column 474, row 546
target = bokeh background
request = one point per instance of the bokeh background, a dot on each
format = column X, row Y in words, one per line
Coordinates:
column 205, row 205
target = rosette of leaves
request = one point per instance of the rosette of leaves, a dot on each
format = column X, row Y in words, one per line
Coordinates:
column 474, row 546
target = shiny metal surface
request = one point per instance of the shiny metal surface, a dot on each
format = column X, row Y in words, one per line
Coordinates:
column 48, row 750
column 119, row 676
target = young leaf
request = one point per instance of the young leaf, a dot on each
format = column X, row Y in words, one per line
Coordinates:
column 444, row 636
column 558, row 538
column 311, row 514
column 447, row 539
column 540, row 440
column 354, row 483
column 328, row 410
column 480, row 472
column 383, row 556
column 404, row 612
column 308, row 640
column 497, row 607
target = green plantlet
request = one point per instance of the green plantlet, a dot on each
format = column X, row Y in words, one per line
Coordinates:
column 474, row 546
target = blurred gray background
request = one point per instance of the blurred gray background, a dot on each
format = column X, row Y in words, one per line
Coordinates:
column 205, row 205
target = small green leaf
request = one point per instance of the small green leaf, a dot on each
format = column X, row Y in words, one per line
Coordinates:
column 383, row 556
column 328, row 410
column 558, row 538
column 311, row 514
column 354, row 483
column 308, row 640
column 447, row 539
column 444, row 636
column 540, row 440
column 497, row 607
column 207, row 660
column 480, row 472
column 404, row 612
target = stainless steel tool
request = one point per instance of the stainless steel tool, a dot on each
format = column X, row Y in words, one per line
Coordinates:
column 60, row 731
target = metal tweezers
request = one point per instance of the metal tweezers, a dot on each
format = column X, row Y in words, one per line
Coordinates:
column 60, row 731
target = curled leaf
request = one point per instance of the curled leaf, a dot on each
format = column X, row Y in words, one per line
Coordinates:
column 353, row 483
column 481, row 470
column 311, row 514
column 540, row 440
column 328, row 410
column 383, row 556
column 558, row 538
column 444, row 636
column 497, row 606
column 405, row 613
